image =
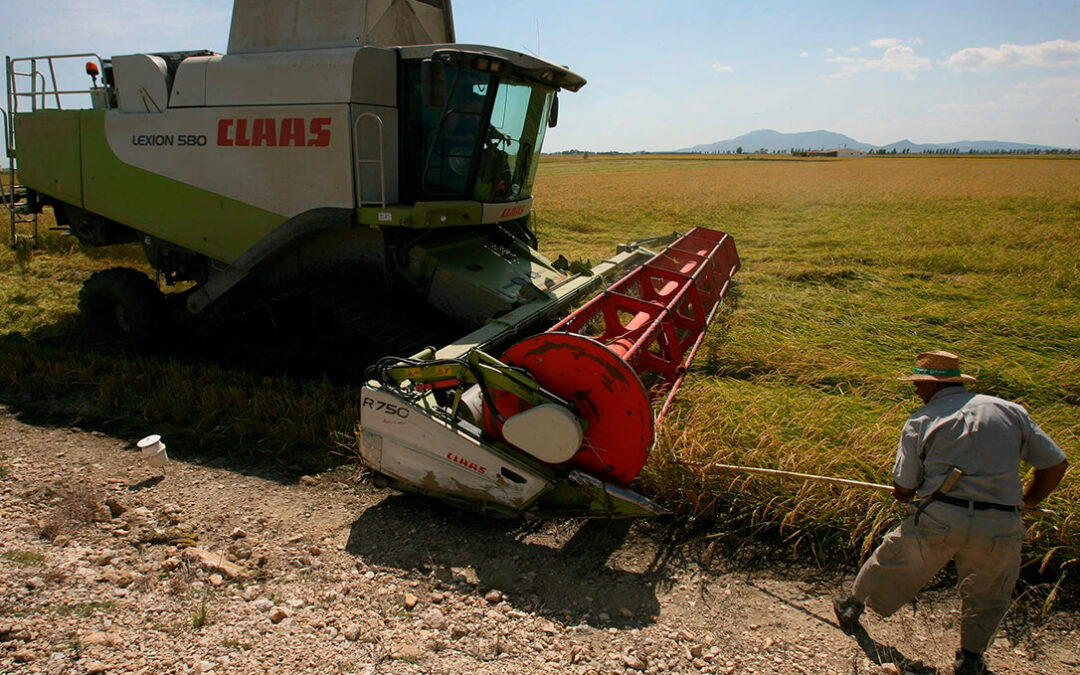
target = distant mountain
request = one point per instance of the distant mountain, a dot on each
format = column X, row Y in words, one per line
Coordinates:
column 962, row 146
column 774, row 141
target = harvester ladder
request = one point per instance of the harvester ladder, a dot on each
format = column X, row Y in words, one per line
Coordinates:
column 41, row 89
column 13, row 196
column 362, row 161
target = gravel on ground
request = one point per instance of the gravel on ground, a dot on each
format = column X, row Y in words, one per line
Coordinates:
column 109, row 566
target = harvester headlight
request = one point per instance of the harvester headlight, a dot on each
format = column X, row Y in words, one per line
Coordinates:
column 486, row 64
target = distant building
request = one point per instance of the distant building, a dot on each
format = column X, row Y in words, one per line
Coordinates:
column 837, row 152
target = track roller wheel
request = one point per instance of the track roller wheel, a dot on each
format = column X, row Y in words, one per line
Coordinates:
column 121, row 306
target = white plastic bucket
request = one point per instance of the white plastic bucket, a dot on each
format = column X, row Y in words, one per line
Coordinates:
column 153, row 451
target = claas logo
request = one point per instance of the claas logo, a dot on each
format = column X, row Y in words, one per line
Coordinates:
column 269, row 132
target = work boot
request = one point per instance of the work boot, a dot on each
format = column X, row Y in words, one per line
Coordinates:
column 848, row 610
column 969, row 663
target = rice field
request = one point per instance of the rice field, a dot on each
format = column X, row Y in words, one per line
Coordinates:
column 850, row 267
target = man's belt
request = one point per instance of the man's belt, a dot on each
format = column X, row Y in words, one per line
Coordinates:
column 978, row 506
column 946, row 485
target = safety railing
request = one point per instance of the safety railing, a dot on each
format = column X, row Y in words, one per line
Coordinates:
column 361, row 161
column 37, row 83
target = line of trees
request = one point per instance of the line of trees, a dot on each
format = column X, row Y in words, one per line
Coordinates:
column 803, row 152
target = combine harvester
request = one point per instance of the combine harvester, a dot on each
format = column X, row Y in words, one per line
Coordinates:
column 351, row 154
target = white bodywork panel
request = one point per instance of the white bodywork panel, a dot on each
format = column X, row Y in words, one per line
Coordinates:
column 355, row 75
column 403, row 441
column 281, row 25
column 274, row 130
column 142, row 83
column 323, row 76
column 548, row 432
column 189, row 85
column 285, row 160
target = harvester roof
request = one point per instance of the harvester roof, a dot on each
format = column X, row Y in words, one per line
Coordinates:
column 286, row 25
column 524, row 65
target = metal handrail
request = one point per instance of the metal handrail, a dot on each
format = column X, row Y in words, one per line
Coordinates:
column 8, row 194
column 8, row 77
column 360, row 160
column 8, row 138
column 8, row 200
column 12, row 80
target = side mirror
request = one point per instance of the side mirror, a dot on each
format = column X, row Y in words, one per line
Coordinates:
column 553, row 116
column 433, row 83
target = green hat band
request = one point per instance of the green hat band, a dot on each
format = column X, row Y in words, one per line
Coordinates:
column 938, row 371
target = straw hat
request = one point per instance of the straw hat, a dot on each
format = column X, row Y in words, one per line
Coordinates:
column 937, row 367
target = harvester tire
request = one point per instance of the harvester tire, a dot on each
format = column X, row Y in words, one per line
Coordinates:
column 121, row 307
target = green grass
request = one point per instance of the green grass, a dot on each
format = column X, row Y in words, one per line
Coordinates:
column 296, row 421
column 201, row 615
column 24, row 558
column 84, row 609
column 850, row 267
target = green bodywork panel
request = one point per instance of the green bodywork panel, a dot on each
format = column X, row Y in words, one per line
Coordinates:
column 50, row 153
column 384, row 216
column 475, row 368
column 64, row 154
column 422, row 215
column 444, row 214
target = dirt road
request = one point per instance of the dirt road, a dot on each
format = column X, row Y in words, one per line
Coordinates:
column 106, row 567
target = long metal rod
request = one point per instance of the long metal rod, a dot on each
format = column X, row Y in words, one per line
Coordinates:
column 789, row 474
column 824, row 479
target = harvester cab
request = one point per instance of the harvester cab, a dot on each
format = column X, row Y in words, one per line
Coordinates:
column 353, row 154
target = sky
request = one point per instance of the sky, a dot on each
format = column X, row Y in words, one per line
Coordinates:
column 669, row 75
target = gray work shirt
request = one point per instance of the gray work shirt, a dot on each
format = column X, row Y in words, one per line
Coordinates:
column 984, row 436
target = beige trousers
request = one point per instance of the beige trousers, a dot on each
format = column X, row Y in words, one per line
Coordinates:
column 986, row 547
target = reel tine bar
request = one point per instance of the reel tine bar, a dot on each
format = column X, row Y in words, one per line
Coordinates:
column 655, row 317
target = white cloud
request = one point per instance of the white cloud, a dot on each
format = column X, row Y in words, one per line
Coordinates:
column 804, row 55
column 1052, row 54
column 852, row 49
column 884, row 43
column 896, row 59
column 722, row 68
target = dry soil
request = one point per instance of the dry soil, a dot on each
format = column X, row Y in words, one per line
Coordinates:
column 108, row 567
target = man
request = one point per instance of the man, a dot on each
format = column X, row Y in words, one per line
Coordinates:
column 974, row 520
